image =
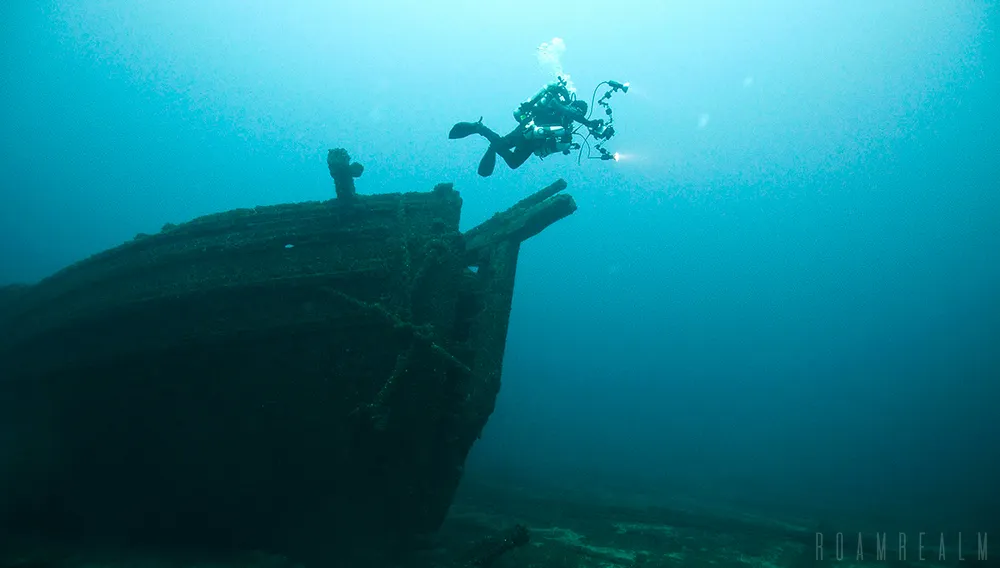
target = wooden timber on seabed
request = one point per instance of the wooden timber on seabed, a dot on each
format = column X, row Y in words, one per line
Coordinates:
column 294, row 378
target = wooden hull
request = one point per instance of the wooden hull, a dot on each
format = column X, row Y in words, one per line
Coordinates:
column 297, row 378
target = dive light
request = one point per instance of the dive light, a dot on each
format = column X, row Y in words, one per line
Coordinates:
column 623, row 87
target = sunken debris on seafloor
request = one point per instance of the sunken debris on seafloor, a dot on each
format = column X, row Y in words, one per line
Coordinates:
column 295, row 378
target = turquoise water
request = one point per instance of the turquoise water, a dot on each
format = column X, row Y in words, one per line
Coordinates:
column 783, row 296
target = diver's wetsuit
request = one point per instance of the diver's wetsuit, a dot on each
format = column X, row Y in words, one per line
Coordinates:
column 515, row 147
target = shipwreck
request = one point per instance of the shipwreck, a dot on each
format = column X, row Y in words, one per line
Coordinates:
column 296, row 378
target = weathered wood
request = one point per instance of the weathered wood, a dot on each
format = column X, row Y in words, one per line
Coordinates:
column 499, row 219
column 520, row 226
column 343, row 172
column 294, row 378
column 541, row 195
column 524, row 220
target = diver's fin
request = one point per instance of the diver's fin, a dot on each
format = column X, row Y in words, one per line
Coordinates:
column 463, row 129
column 488, row 162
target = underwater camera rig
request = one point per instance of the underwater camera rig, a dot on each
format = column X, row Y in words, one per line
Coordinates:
column 601, row 132
column 604, row 130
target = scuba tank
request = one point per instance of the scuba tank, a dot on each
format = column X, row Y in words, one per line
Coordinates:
column 525, row 110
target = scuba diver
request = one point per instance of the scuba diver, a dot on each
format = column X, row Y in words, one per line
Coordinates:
column 545, row 125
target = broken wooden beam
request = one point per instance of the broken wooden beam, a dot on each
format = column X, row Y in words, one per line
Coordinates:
column 522, row 221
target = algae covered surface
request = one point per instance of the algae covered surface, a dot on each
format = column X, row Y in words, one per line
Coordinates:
column 567, row 530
